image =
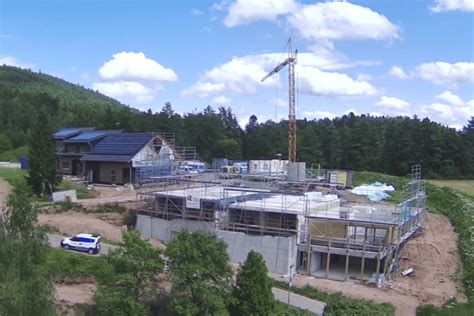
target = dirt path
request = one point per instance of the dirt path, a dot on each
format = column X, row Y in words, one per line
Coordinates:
column 4, row 190
column 72, row 294
column 434, row 257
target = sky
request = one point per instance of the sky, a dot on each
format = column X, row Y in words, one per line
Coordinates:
column 381, row 57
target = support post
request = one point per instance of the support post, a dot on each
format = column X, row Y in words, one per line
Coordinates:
column 328, row 258
column 347, row 260
column 362, row 263
column 308, row 261
column 377, row 269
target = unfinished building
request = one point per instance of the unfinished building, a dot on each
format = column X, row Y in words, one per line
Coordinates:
column 319, row 234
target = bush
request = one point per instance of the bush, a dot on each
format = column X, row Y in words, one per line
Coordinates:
column 14, row 155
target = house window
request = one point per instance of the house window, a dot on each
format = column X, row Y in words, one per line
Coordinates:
column 65, row 165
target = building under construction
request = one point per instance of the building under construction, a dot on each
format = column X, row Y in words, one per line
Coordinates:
column 320, row 234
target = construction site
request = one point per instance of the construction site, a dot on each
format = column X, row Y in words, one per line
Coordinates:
column 317, row 234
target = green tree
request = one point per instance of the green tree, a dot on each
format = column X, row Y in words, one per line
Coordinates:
column 5, row 144
column 127, row 286
column 200, row 274
column 25, row 288
column 253, row 288
column 42, row 175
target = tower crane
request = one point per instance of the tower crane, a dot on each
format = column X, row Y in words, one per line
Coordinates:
column 290, row 62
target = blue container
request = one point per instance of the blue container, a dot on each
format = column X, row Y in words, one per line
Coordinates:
column 24, row 162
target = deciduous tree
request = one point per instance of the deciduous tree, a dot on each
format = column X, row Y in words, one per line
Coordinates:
column 127, row 286
column 200, row 273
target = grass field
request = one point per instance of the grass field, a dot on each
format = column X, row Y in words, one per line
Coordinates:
column 464, row 186
column 12, row 175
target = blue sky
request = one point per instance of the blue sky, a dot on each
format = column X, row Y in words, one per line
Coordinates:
column 384, row 57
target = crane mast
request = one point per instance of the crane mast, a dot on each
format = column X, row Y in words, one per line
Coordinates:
column 290, row 62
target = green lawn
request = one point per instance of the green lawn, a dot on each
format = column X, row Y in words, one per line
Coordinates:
column 464, row 186
column 12, row 175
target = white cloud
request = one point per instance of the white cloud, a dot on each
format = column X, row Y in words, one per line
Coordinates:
column 398, row 72
column 452, row 5
column 11, row 61
column 392, row 104
column 319, row 114
column 130, row 66
column 363, row 77
column 125, row 91
column 203, row 89
column 221, row 100
column 445, row 73
column 341, row 20
column 242, row 75
column 247, row 11
column 450, row 109
column 450, row 98
column 332, row 84
column 324, row 21
column 237, row 76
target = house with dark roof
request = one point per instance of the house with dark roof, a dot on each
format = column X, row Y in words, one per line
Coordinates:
column 118, row 158
column 72, row 144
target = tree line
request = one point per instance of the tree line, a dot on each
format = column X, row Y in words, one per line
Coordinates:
column 360, row 142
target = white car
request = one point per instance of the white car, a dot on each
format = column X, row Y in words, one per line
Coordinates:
column 89, row 243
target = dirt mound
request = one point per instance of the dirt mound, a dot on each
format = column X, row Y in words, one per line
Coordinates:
column 433, row 256
column 111, row 218
column 71, row 223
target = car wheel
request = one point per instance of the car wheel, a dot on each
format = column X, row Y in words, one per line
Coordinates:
column 91, row 251
column 66, row 246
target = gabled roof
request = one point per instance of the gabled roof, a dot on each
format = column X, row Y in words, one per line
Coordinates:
column 120, row 147
column 64, row 133
column 89, row 136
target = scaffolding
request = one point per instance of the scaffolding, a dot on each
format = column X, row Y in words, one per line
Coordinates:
column 349, row 241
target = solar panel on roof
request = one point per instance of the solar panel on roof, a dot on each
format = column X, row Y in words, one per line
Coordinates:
column 86, row 136
column 121, row 144
column 61, row 133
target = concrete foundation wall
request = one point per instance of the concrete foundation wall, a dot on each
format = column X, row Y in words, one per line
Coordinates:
column 279, row 252
column 315, row 261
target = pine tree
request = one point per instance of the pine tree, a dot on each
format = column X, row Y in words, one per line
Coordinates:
column 42, row 173
column 253, row 289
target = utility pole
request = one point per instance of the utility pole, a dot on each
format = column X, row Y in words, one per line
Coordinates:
column 290, row 62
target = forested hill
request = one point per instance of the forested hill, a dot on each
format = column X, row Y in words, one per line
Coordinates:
column 385, row 144
column 33, row 82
